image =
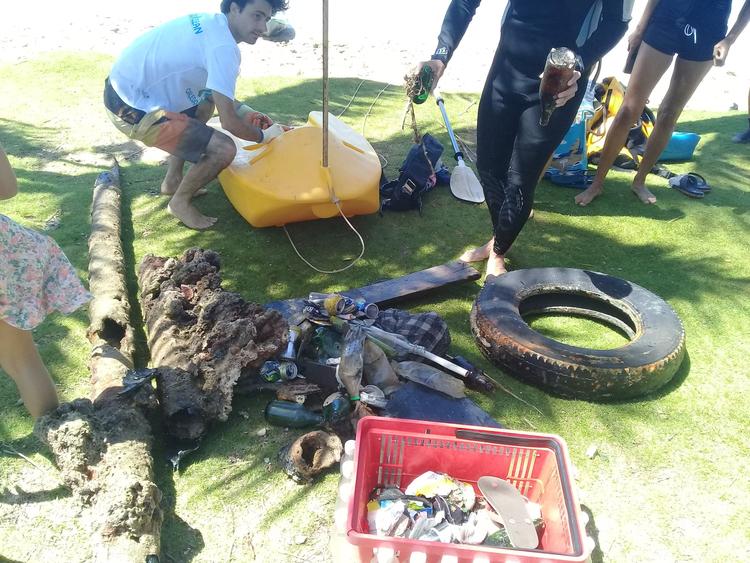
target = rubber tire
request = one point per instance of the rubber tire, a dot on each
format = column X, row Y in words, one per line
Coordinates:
column 646, row 363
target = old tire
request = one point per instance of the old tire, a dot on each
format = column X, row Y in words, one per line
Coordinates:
column 648, row 361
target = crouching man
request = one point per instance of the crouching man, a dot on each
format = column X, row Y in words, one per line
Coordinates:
column 166, row 85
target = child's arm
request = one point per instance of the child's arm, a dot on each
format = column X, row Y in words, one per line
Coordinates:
column 8, row 184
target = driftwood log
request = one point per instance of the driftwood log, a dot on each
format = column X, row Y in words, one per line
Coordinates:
column 102, row 444
column 203, row 340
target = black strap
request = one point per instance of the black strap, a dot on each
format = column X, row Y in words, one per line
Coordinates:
column 663, row 171
column 114, row 103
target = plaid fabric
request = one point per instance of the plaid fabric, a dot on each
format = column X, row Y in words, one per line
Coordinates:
column 425, row 329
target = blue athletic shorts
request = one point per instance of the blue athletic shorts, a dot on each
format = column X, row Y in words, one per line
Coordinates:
column 688, row 28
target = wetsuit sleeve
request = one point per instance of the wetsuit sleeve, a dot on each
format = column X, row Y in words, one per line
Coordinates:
column 615, row 17
column 457, row 19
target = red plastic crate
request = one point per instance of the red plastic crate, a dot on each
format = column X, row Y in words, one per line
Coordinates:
column 394, row 451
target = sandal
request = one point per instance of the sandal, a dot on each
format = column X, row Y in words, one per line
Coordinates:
column 701, row 183
column 688, row 185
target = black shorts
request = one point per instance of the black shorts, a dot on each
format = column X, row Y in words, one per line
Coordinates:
column 689, row 29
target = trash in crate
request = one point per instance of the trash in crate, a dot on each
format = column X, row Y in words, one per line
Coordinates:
column 438, row 508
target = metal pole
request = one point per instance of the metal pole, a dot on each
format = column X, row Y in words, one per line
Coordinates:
column 325, row 83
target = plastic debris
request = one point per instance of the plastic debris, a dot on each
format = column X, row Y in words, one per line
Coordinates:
column 416, row 402
column 431, row 377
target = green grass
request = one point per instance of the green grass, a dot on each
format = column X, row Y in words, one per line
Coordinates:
column 668, row 482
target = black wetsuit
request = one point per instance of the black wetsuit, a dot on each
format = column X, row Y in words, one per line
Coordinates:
column 512, row 148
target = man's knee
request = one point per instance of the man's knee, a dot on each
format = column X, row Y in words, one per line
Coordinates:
column 221, row 149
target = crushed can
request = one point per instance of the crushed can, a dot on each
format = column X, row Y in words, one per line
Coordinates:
column 273, row 371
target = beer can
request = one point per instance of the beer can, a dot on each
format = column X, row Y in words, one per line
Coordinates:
column 334, row 305
column 273, row 371
column 370, row 310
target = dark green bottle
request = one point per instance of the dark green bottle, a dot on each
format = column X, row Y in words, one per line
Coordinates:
column 426, row 77
column 292, row 415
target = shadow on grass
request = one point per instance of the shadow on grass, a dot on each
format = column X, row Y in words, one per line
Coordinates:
column 597, row 556
column 180, row 542
column 259, row 264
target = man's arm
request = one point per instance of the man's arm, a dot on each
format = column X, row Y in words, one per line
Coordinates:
column 8, row 183
column 616, row 15
column 233, row 122
column 457, row 18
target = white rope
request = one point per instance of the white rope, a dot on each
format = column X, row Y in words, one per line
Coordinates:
column 372, row 105
column 361, row 241
column 351, row 99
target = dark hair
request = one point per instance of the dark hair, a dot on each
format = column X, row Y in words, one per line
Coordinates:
column 276, row 5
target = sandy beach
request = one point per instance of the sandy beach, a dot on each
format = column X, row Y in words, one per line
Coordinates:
column 374, row 40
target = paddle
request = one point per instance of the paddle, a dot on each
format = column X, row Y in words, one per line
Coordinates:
column 464, row 183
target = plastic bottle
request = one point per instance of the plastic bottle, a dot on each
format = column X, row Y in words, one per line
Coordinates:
column 341, row 550
column 349, row 370
column 426, row 78
column 431, row 377
column 377, row 370
column 292, row 415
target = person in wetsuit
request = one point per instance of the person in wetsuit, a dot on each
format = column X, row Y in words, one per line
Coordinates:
column 512, row 148
column 694, row 30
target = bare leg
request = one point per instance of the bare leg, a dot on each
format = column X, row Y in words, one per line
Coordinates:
column 174, row 175
column 479, row 253
column 686, row 77
column 219, row 154
column 20, row 359
column 650, row 65
column 176, row 165
column 495, row 265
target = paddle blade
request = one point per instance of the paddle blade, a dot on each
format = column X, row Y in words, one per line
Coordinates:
column 465, row 185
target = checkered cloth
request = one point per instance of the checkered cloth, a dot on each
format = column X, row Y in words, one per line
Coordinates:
column 425, row 329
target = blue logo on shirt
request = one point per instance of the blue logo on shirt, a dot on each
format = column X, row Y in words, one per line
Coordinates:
column 195, row 21
column 195, row 100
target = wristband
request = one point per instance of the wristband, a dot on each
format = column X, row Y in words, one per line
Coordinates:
column 271, row 133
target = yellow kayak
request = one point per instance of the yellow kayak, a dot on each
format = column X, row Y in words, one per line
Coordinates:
column 283, row 181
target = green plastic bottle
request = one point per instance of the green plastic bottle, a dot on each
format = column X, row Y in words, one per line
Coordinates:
column 292, row 415
column 426, row 77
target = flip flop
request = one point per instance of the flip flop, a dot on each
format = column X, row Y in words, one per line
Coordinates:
column 510, row 505
column 701, row 183
column 688, row 185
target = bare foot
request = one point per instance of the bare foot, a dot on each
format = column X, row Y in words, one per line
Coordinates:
column 588, row 195
column 189, row 215
column 479, row 253
column 169, row 187
column 495, row 265
column 643, row 194
column 170, row 184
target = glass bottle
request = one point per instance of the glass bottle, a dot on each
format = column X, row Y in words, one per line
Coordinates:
column 559, row 69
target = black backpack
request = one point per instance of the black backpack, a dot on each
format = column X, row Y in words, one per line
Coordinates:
column 419, row 173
